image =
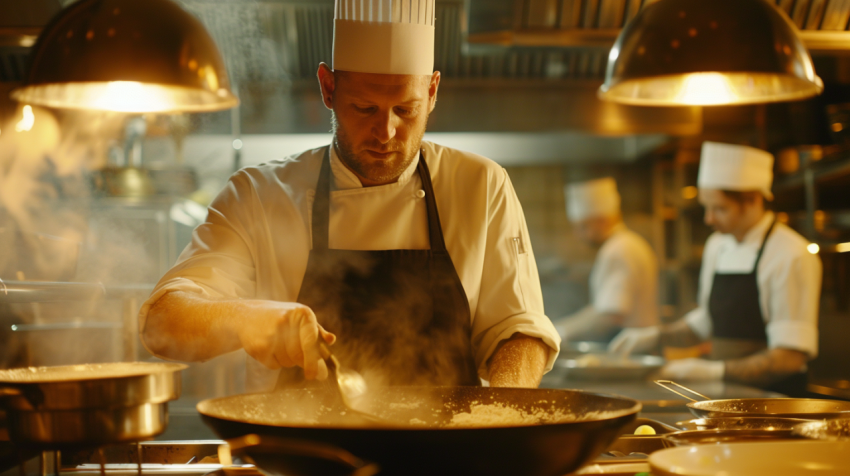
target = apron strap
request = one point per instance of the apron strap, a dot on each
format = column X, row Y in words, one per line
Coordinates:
column 763, row 243
column 435, row 230
column 321, row 206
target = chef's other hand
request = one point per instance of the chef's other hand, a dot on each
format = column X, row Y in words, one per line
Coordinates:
column 694, row 370
column 635, row 340
column 285, row 334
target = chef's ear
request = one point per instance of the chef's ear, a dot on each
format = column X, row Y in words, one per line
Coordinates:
column 432, row 91
column 327, row 82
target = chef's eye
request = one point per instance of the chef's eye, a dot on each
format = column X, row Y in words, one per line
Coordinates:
column 403, row 111
column 364, row 110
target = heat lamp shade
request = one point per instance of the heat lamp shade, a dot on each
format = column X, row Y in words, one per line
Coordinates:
column 709, row 52
column 127, row 56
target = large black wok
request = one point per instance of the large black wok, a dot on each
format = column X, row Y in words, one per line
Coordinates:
column 420, row 444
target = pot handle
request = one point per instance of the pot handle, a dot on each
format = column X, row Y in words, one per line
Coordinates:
column 664, row 384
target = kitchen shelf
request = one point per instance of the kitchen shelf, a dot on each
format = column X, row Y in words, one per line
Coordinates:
column 831, row 166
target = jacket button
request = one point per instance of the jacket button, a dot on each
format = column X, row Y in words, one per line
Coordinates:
column 420, row 194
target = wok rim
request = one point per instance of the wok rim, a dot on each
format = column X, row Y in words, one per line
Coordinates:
column 615, row 414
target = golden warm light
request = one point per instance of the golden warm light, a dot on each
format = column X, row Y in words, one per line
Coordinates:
column 842, row 247
column 705, row 89
column 26, row 122
column 126, row 96
column 690, row 192
column 813, row 248
column 710, row 89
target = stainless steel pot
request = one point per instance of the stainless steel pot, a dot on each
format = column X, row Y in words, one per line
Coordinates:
column 88, row 405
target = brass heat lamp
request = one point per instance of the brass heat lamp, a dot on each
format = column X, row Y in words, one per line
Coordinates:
column 132, row 56
column 709, row 52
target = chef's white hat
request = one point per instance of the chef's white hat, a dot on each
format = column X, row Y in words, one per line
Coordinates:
column 737, row 168
column 593, row 198
column 384, row 36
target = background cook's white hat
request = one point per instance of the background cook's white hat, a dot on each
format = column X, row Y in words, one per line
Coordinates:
column 593, row 198
column 736, row 168
column 384, row 36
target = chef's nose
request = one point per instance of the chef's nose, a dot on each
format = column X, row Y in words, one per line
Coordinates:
column 709, row 217
column 384, row 128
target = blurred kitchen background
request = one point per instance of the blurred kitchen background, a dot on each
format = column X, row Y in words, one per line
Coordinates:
column 519, row 86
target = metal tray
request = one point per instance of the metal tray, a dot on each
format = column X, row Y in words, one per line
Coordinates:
column 608, row 367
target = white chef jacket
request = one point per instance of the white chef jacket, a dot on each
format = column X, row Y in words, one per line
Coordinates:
column 624, row 279
column 256, row 239
column 789, row 280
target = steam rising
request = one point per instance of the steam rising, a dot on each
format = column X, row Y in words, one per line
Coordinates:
column 46, row 215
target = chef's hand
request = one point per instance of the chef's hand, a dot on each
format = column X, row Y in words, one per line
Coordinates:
column 694, row 370
column 285, row 334
column 635, row 340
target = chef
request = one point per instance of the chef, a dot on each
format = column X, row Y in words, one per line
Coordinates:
column 759, row 285
column 413, row 258
column 624, row 279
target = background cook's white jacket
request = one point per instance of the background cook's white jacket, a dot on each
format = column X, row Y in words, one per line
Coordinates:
column 789, row 281
column 624, row 279
column 255, row 242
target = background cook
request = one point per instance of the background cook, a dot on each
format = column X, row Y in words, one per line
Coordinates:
column 624, row 279
column 759, row 286
column 414, row 255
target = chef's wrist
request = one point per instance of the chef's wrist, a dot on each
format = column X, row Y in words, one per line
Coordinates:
column 717, row 369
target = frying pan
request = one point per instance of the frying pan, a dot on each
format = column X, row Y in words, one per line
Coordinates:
column 805, row 408
column 420, row 443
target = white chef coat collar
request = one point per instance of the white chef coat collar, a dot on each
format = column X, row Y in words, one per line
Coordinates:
column 756, row 233
column 345, row 179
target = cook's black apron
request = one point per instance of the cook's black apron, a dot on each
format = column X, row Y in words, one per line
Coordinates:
column 400, row 316
column 738, row 323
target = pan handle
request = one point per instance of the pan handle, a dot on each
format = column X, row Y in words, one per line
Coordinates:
column 297, row 447
column 664, row 384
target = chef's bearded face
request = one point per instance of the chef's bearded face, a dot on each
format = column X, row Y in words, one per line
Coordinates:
column 378, row 119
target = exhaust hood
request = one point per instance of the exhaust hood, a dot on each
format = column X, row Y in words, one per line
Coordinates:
column 21, row 22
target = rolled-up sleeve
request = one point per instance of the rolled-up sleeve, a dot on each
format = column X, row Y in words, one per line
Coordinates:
column 219, row 261
column 510, row 299
column 794, row 298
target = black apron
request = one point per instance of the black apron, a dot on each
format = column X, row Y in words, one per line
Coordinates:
column 738, row 323
column 401, row 317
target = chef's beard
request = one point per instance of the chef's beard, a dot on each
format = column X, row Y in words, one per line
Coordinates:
column 379, row 171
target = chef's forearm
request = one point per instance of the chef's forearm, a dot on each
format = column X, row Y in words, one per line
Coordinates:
column 678, row 334
column 589, row 324
column 184, row 326
column 519, row 362
column 766, row 367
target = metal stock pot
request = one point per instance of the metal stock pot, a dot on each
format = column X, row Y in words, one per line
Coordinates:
column 88, row 405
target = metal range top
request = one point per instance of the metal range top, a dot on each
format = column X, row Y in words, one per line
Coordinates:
column 205, row 457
